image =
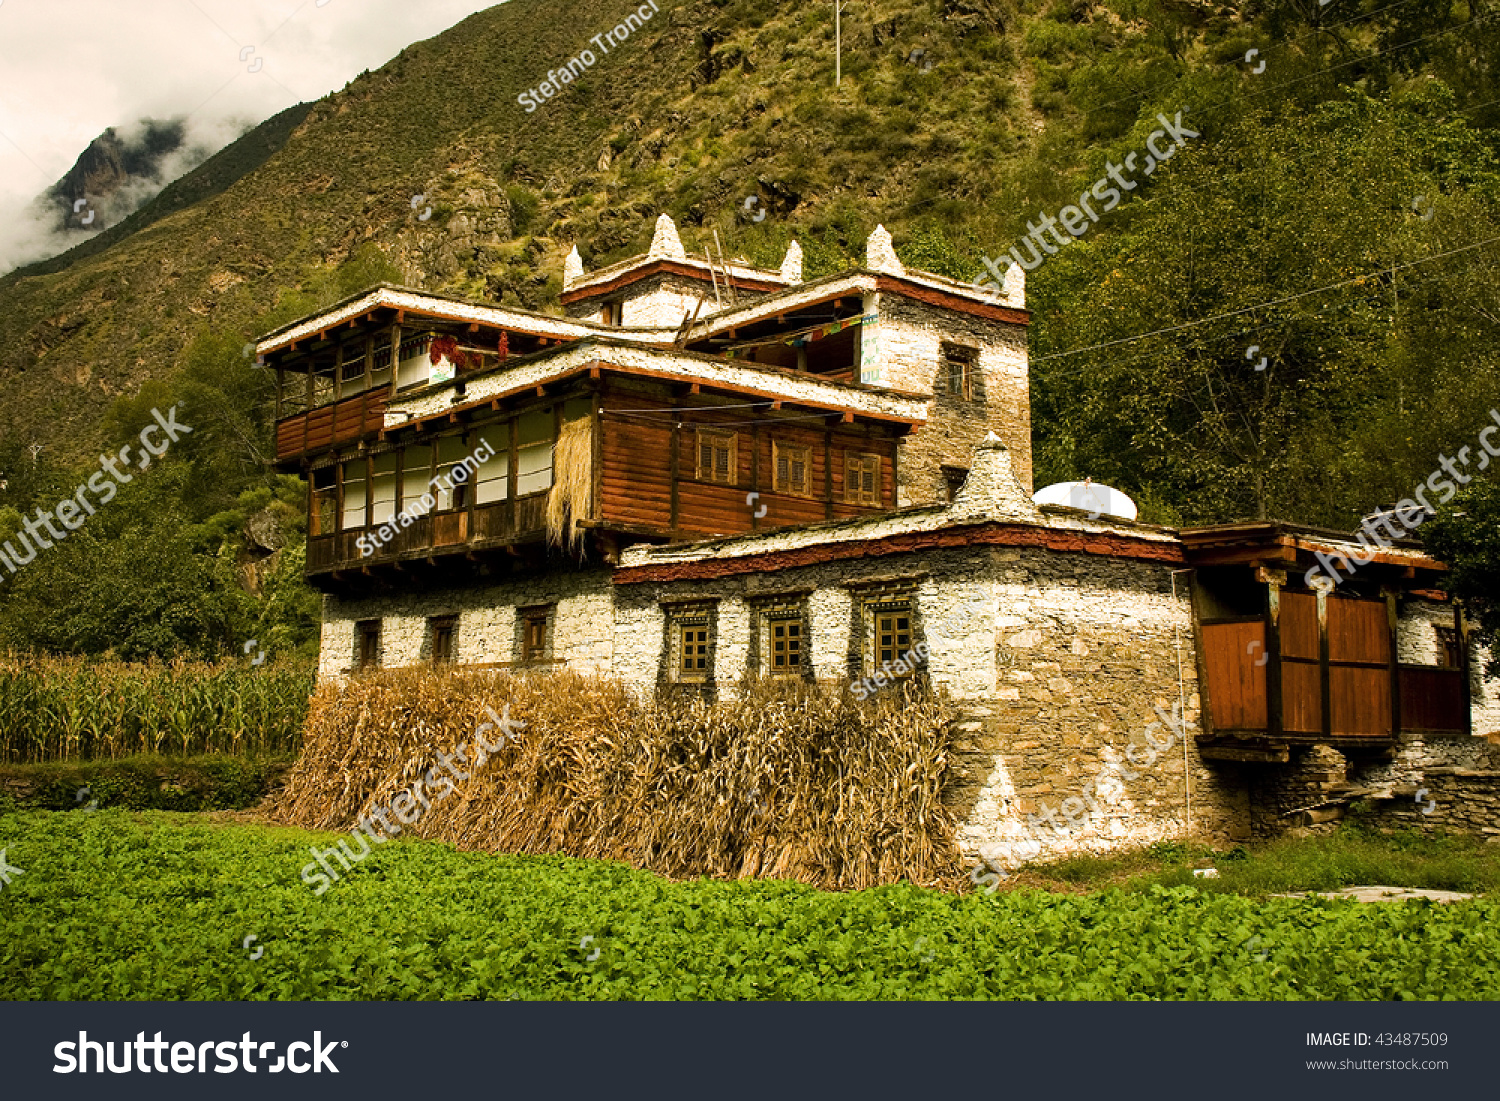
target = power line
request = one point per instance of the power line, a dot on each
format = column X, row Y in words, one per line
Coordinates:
column 1262, row 305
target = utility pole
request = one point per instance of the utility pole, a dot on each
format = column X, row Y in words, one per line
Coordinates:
column 838, row 44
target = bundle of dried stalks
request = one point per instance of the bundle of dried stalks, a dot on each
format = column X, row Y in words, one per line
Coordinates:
column 788, row 781
column 569, row 499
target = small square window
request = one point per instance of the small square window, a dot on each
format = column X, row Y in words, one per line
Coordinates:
column 785, row 644
column 718, row 460
column 689, row 639
column 793, row 467
column 953, row 480
column 861, row 479
column 693, row 646
column 892, row 636
column 367, row 641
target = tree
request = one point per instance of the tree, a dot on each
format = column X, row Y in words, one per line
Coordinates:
column 1465, row 534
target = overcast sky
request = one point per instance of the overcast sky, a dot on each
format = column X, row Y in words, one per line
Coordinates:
column 69, row 69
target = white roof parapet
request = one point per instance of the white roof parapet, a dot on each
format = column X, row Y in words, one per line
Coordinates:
column 452, row 310
column 665, row 244
column 791, row 264
column 572, row 269
column 779, row 385
column 880, row 253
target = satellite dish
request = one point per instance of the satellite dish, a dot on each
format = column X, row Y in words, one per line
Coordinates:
column 1096, row 500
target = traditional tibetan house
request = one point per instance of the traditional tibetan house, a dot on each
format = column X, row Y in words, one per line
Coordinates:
column 707, row 470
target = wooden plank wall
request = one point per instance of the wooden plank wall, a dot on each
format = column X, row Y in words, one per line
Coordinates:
column 1301, row 664
column 1432, row 698
column 331, row 425
column 638, row 485
column 1359, row 673
column 1236, row 685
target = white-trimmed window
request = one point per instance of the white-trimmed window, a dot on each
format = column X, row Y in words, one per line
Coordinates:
column 383, row 488
column 416, row 469
column 355, row 483
column 450, row 494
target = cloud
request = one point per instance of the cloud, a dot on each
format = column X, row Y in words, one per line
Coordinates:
column 71, row 69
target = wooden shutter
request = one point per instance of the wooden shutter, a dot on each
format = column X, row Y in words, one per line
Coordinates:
column 717, row 457
column 793, row 469
column 861, row 478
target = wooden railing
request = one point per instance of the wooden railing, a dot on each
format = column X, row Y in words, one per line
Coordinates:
column 441, row 532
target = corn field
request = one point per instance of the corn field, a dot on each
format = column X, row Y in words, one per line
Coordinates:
column 789, row 781
column 68, row 709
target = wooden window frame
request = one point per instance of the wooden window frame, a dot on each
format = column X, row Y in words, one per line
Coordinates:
column 856, row 465
column 1449, row 655
column 690, row 637
column 780, row 449
column 895, row 650
column 442, row 634
column 965, row 358
column 694, row 645
column 717, row 443
column 536, row 632
column 321, row 497
column 367, row 644
column 794, row 664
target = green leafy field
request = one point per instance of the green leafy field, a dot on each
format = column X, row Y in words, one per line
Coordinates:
column 159, row 906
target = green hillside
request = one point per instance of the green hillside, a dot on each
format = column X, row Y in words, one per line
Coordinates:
column 1347, row 173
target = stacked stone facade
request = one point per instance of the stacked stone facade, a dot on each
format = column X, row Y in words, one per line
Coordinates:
column 908, row 357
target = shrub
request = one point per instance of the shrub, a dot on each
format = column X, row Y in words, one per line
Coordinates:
column 141, row 783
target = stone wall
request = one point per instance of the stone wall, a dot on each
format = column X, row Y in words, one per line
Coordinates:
column 909, row 357
column 1456, row 777
column 1086, row 663
column 487, row 631
column 1297, row 795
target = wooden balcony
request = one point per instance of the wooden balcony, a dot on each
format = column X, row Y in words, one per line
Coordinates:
column 503, row 524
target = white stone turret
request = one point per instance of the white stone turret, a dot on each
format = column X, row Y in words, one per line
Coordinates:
column 791, row 264
column 880, row 254
column 665, row 244
column 572, row 269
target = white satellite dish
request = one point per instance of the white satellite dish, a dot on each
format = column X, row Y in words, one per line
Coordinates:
column 1095, row 499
